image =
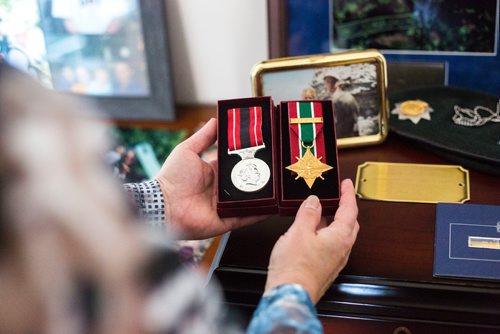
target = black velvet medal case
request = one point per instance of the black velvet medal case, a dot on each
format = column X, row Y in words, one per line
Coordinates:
column 232, row 201
column 293, row 190
column 284, row 192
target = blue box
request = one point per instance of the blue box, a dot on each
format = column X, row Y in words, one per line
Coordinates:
column 467, row 243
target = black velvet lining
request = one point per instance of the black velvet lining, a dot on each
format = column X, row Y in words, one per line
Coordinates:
column 297, row 189
column 227, row 192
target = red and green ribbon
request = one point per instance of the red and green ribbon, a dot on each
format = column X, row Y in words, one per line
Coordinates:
column 309, row 134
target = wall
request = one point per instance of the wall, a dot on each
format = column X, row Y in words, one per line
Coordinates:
column 213, row 46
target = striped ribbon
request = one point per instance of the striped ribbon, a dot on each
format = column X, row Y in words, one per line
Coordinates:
column 244, row 128
column 308, row 131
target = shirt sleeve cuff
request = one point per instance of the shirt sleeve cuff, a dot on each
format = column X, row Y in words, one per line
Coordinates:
column 148, row 199
column 285, row 307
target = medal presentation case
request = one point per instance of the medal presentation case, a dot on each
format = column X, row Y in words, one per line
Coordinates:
column 308, row 155
column 246, row 176
column 272, row 158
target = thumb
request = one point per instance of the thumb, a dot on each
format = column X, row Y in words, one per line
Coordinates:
column 309, row 215
column 203, row 138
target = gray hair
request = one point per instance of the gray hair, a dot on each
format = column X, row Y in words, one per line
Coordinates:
column 63, row 215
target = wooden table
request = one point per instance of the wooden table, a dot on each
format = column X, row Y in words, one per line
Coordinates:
column 387, row 286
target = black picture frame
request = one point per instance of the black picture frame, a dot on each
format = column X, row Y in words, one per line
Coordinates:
column 158, row 103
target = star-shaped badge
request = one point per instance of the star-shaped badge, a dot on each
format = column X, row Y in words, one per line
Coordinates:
column 309, row 168
column 414, row 110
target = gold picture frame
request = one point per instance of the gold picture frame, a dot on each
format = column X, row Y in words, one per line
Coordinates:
column 355, row 81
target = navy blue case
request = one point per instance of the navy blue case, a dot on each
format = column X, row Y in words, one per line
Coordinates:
column 467, row 243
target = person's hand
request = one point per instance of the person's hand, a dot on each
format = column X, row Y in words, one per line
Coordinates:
column 312, row 253
column 188, row 185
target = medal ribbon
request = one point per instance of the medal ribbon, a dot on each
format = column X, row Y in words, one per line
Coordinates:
column 244, row 128
column 309, row 132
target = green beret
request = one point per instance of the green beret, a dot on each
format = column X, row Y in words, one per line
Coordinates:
column 455, row 129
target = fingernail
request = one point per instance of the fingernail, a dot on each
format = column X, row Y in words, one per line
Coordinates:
column 312, row 202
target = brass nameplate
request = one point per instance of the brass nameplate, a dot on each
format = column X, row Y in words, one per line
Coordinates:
column 419, row 183
column 306, row 120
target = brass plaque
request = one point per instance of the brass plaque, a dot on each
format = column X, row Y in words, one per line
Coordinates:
column 419, row 183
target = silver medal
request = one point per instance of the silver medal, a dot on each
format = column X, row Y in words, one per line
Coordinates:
column 250, row 174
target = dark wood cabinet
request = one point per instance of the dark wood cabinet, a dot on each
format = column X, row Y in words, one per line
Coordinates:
column 387, row 286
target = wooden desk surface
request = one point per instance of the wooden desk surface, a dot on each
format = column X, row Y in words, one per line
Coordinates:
column 394, row 253
column 396, row 240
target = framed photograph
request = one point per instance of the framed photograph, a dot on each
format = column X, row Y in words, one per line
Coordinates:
column 455, row 39
column 111, row 52
column 355, row 82
column 137, row 153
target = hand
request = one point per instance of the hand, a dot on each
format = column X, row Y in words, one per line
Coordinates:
column 312, row 253
column 188, row 185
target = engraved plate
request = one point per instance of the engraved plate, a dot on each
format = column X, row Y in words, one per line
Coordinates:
column 250, row 175
column 420, row 183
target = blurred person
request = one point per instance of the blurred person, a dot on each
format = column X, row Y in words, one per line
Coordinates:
column 100, row 84
column 346, row 108
column 99, row 27
column 82, row 80
column 74, row 259
column 22, row 41
column 125, row 82
column 126, row 170
column 112, row 157
column 308, row 94
column 11, row 51
column 92, row 17
column 65, row 79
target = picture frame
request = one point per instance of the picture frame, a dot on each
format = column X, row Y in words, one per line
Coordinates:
column 160, row 104
column 133, row 63
column 303, row 28
column 355, row 82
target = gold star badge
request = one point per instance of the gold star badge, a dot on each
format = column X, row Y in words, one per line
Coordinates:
column 413, row 107
column 414, row 110
column 309, row 168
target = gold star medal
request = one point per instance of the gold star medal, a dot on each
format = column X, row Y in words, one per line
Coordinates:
column 307, row 143
column 309, row 167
